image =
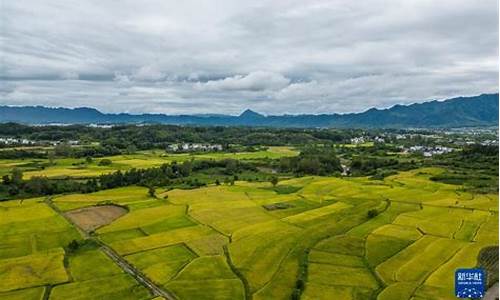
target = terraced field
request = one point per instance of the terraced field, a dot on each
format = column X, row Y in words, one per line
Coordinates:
column 254, row 241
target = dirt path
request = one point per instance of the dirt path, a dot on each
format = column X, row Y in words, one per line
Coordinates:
column 492, row 293
column 118, row 259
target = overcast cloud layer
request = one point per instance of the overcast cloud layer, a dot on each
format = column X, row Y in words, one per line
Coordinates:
column 274, row 57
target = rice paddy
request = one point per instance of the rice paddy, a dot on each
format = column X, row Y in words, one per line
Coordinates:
column 240, row 241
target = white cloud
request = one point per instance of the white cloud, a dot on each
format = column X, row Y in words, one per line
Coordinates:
column 272, row 56
column 255, row 81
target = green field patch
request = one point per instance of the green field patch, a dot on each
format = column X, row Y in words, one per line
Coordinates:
column 388, row 268
column 87, row 265
column 48, row 240
column 168, row 224
column 32, row 270
column 257, row 250
column 398, row 291
column 385, row 217
column 283, row 282
column 122, row 196
column 343, row 244
column 206, row 267
column 211, row 244
column 207, row 277
column 296, row 206
column 24, row 294
column 312, row 214
column 433, row 292
column 428, row 259
column 29, row 226
column 324, row 292
column 488, row 231
column 27, row 210
column 444, row 276
column 160, row 265
column 50, row 224
column 283, row 189
column 225, row 208
column 120, row 235
column 160, row 240
column 331, row 275
column 322, row 257
column 226, row 289
column 379, row 248
column 396, row 231
column 156, row 219
column 328, row 188
column 120, row 286
column 15, row 245
column 467, row 231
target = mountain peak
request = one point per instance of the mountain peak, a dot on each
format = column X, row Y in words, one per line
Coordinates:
column 247, row 114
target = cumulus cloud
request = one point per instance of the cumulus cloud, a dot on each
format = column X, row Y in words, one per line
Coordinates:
column 272, row 56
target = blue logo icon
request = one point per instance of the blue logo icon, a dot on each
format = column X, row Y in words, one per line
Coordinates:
column 469, row 283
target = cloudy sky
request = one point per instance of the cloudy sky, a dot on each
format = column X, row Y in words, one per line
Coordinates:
column 221, row 56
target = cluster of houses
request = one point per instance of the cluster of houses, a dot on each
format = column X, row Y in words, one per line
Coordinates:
column 362, row 139
column 193, row 147
column 428, row 151
column 13, row 141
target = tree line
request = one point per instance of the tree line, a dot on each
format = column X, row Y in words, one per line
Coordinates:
column 165, row 175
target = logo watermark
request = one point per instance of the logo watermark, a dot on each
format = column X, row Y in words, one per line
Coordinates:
column 469, row 283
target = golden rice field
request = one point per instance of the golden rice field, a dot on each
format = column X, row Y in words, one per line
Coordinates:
column 231, row 242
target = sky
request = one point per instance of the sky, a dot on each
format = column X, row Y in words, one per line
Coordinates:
column 224, row 56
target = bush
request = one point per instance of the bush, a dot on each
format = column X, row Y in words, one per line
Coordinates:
column 73, row 246
column 372, row 213
column 105, row 162
column 296, row 294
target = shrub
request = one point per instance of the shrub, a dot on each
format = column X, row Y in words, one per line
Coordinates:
column 372, row 213
column 105, row 162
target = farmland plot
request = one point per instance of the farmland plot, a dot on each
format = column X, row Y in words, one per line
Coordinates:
column 254, row 240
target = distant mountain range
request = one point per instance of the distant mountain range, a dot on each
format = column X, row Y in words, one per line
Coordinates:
column 457, row 112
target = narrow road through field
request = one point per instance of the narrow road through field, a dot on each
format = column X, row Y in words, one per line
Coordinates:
column 117, row 258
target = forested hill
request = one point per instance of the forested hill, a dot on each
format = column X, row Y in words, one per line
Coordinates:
column 457, row 112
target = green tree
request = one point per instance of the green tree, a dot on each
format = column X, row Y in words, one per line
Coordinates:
column 151, row 191
column 63, row 150
column 372, row 213
column 105, row 162
column 17, row 177
column 6, row 179
column 274, row 181
column 51, row 156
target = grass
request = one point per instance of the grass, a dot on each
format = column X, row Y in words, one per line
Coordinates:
column 162, row 264
column 207, row 277
column 343, row 276
column 316, row 213
column 120, row 286
column 32, row 270
column 122, row 196
column 161, row 239
column 166, row 217
column 35, row 293
column 29, row 226
column 91, row 264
